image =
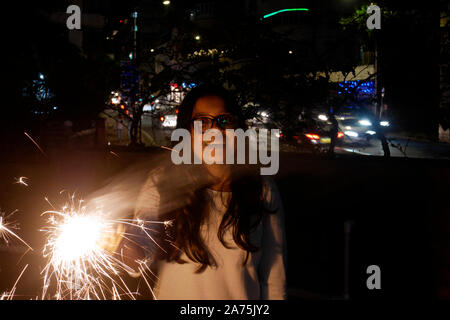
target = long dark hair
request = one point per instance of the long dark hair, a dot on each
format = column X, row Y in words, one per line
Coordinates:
column 245, row 207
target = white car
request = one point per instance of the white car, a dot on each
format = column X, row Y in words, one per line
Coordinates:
column 356, row 123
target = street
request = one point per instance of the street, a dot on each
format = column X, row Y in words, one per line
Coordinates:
column 404, row 148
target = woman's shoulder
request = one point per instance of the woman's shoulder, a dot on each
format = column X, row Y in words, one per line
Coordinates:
column 167, row 188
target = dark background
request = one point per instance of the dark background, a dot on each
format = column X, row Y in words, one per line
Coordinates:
column 397, row 207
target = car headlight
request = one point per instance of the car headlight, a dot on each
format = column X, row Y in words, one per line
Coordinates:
column 352, row 134
column 365, row 123
column 323, row 117
column 384, row 123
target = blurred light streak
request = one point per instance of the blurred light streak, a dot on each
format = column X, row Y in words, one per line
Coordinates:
column 22, row 180
column 35, row 143
column 10, row 295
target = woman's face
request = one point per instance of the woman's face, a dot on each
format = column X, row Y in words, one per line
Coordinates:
column 210, row 107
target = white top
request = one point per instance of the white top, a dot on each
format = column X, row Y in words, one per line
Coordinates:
column 263, row 276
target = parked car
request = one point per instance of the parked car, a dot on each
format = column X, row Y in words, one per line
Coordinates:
column 311, row 135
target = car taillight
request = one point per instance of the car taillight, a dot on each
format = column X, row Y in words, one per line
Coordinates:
column 340, row 135
column 312, row 136
column 162, row 119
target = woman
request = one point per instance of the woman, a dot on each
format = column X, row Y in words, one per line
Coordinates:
column 226, row 234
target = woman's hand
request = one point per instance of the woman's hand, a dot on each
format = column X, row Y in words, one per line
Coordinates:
column 112, row 241
column 127, row 251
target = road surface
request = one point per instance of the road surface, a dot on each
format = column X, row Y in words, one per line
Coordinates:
column 398, row 147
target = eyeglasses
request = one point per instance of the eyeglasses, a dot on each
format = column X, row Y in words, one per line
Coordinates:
column 225, row 121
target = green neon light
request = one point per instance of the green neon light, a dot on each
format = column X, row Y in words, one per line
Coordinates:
column 284, row 10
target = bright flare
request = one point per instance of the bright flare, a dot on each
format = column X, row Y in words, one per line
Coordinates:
column 352, row 134
column 79, row 237
column 365, row 123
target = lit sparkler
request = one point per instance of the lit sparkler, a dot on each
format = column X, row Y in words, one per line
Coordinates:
column 80, row 245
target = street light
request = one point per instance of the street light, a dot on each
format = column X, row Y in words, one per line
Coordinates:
column 166, row 3
column 197, row 37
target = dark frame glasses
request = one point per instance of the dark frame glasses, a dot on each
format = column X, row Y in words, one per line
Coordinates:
column 224, row 121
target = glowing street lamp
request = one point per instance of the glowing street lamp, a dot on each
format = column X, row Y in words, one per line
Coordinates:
column 197, row 37
column 166, row 3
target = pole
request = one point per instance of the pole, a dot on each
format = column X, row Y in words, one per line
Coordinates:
column 379, row 88
column 347, row 233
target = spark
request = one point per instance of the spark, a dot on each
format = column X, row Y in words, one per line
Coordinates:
column 9, row 295
column 80, row 251
column 35, row 143
column 168, row 223
column 143, row 267
column 22, row 180
column 7, row 227
column 167, row 148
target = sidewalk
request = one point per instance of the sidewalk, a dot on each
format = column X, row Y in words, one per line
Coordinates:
column 412, row 137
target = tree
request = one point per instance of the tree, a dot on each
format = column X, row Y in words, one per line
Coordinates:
column 50, row 78
column 407, row 49
column 265, row 68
